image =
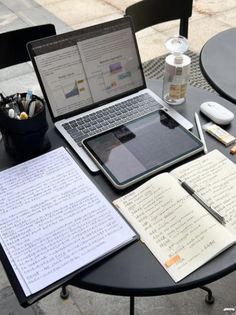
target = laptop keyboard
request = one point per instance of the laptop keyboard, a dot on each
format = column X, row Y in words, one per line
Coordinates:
column 110, row 117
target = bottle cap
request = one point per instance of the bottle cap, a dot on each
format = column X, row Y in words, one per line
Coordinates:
column 171, row 65
column 177, row 45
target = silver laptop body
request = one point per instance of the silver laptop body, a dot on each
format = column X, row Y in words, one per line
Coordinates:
column 92, row 81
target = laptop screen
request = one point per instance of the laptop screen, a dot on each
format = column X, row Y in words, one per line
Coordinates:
column 82, row 69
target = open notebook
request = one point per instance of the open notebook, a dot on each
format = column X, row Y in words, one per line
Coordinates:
column 92, row 80
column 178, row 230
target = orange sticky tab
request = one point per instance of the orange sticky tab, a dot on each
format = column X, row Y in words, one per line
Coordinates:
column 173, row 260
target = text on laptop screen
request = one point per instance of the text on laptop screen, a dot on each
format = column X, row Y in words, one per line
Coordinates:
column 88, row 66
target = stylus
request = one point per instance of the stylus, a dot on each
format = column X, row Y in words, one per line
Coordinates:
column 199, row 128
column 199, row 199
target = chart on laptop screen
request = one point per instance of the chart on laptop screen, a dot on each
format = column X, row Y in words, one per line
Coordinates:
column 84, row 67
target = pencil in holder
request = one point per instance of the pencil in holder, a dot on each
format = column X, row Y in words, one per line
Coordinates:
column 24, row 125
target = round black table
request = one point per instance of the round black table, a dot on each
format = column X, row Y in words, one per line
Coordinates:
column 218, row 63
column 134, row 271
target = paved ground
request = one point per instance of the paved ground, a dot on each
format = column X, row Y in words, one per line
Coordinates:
column 209, row 17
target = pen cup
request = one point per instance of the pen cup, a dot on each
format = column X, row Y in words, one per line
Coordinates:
column 25, row 138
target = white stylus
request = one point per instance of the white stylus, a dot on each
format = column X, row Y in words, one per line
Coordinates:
column 199, row 128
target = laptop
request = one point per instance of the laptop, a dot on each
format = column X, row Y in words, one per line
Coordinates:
column 92, row 80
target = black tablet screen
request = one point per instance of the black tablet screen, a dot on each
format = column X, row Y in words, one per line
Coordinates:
column 142, row 146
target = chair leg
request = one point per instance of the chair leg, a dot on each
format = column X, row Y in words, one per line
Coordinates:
column 131, row 306
column 209, row 298
column 64, row 293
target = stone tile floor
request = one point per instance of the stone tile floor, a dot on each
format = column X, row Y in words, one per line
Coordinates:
column 209, row 17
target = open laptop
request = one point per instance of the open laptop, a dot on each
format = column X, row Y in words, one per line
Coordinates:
column 92, row 80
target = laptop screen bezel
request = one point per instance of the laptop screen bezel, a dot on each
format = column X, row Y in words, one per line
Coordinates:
column 31, row 45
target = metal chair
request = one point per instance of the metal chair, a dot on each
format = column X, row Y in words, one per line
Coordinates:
column 152, row 12
column 13, row 44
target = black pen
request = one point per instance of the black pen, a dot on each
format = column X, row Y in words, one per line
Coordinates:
column 213, row 212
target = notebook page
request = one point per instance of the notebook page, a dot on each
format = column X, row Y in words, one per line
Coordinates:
column 174, row 226
column 213, row 176
column 54, row 220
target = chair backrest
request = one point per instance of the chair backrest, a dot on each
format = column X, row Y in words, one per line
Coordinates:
column 151, row 12
column 13, row 44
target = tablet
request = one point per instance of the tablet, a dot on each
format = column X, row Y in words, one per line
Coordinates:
column 140, row 148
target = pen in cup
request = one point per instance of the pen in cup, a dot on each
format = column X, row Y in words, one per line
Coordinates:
column 199, row 128
column 199, row 199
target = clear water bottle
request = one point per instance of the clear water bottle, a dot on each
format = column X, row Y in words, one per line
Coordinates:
column 176, row 71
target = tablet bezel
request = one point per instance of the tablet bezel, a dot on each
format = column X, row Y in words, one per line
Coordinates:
column 122, row 185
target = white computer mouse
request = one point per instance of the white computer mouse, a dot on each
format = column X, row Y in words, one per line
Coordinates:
column 217, row 112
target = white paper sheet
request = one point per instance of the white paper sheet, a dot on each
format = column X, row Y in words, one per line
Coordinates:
column 54, row 220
